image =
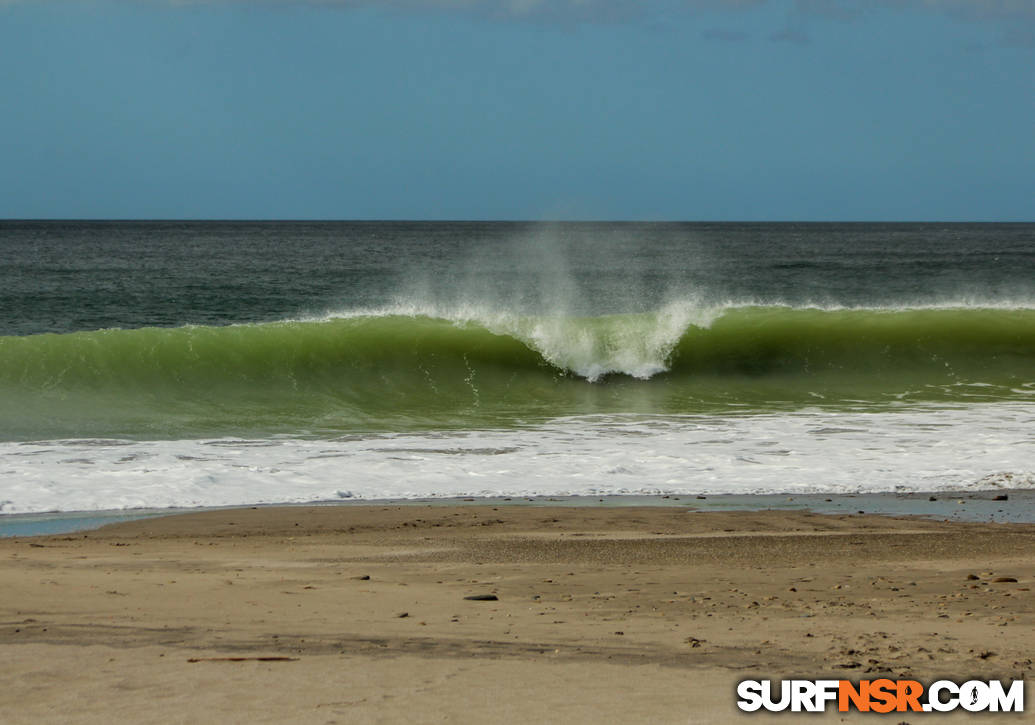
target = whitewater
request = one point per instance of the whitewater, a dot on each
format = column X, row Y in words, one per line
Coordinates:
column 809, row 451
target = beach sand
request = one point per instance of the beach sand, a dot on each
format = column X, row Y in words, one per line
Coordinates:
column 603, row 615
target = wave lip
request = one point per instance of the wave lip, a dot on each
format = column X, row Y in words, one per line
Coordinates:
column 639, row 346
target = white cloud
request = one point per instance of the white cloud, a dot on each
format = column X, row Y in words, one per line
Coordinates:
column 1015, row 18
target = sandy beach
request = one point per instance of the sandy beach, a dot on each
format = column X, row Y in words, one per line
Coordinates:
column 363, row 613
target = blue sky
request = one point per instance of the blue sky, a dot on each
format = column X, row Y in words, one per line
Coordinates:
column 519, row 109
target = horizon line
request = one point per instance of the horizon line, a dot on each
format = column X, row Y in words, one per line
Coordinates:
column 476, row 220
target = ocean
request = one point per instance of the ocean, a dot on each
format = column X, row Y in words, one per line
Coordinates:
column 191, row 364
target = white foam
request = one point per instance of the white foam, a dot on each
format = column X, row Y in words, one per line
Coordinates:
column 638, row 345
column 939, row 448
column 699, row 308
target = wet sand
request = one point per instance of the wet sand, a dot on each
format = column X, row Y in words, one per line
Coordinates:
column 607, row 614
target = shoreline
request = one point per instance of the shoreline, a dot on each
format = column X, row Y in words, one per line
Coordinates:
column 588, row 614
column 983, row 505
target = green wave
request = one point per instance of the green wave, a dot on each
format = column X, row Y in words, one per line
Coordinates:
column 383, row 372
column 973, row 343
